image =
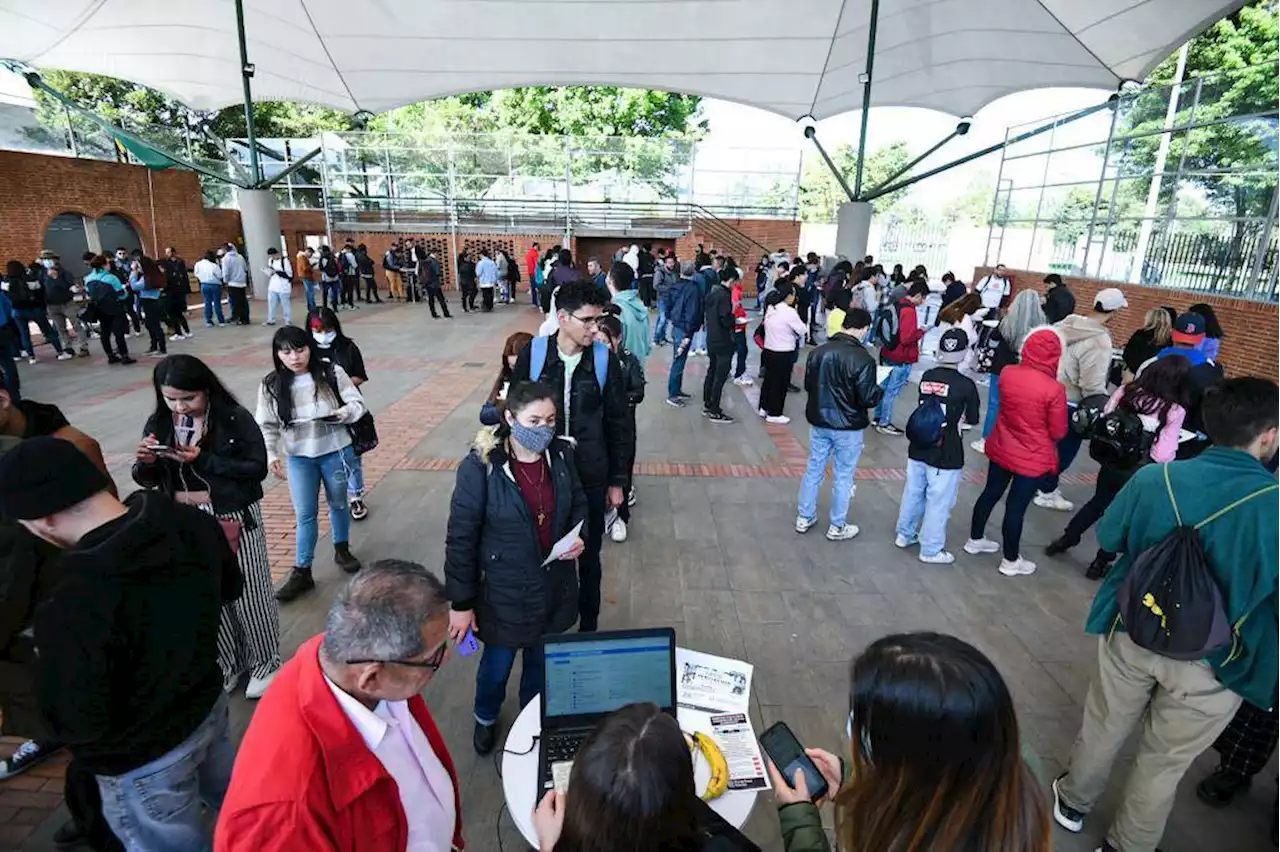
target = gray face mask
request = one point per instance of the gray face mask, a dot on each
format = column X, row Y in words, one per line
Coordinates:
column 533, row 438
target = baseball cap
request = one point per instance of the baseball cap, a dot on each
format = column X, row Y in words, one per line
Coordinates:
column 1188, row 329
column 1110, row 299
column 953, row 347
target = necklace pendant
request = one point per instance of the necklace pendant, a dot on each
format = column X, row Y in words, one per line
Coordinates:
column 541, row 517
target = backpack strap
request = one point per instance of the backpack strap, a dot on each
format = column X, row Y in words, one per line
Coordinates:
column 1177, row 515
column 600, row 352
column 1244, row 499
column 537, row 357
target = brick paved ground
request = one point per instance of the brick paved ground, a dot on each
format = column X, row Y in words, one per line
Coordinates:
column 711, row 553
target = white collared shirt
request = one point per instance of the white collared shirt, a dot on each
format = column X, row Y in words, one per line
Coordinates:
column 426, row 790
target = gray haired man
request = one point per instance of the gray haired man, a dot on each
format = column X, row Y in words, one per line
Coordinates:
column 343, row 720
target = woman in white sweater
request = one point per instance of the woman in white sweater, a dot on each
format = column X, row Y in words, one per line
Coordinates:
column 304, row 408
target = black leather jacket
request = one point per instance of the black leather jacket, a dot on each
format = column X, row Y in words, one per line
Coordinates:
column 840, row 379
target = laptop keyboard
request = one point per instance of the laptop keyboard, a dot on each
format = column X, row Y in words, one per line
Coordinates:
column 563, row 747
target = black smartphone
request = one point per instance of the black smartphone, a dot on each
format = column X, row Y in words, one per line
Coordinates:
column 788, row 755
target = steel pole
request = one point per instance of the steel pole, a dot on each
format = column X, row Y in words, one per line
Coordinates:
column 911, row 165
column 246, row 73
column 1097, row 198
column 844, row 184
column 866, row 99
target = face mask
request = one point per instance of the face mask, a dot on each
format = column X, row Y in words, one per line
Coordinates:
column 324, row 338
column 47, row 264
column 533, row 438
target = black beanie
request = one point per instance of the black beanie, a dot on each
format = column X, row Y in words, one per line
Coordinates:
column 43, row 476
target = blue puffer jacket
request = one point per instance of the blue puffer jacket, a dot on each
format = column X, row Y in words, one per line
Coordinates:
column 683, row 305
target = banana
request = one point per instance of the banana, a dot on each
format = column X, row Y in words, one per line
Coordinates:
column 715, row 760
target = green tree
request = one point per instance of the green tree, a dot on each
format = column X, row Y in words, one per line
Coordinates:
column 821, row 194
column 973, row 206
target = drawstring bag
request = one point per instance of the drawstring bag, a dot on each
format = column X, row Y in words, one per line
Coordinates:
column 203, row 500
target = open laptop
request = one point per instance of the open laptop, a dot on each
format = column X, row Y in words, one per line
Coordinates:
column 586, row 676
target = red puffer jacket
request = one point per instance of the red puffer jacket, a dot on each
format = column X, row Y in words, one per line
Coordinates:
column 1033, row 409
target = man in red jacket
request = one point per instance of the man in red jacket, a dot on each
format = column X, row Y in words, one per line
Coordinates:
column 900, row 357
column 342, row 753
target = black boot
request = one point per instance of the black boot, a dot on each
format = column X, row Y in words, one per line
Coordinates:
column 1221, row 787
column 298, row 581
column 1099, row 567
column 1059, row 545
column 483, row 738
column 343, row 558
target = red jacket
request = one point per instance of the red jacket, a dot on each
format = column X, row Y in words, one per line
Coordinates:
column 1033, row 409
column 304, row 778
column 531, row 262
column 909, row 336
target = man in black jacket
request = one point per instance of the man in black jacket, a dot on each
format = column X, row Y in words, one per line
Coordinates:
column 719, row 325
column 595, row 413
column 840, row 378
column 129, row 678
column 1059, row 302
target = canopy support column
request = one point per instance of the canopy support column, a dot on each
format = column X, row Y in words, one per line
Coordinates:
column 866, row 97
column 853, row 229
column 246, row 74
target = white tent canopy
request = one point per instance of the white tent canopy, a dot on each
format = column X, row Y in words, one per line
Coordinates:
column 791, row 57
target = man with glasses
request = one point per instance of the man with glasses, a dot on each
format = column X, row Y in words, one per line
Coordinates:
column 593, row 410
column 342, row 752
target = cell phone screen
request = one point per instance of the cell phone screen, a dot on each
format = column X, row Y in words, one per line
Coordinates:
column 788, row 755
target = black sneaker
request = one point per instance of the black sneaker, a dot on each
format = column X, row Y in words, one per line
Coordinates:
column 359, row 510
column 889, row 429
column 1058, row 546
column 298, row 581
column 482, row 739
column 69, row 834
column 1221, row 787
column 1065, row 815
column 1098, row 568
column 127, row 360
column 684, row 396
column 26, row 756
column 343, row 558
column 719, row 417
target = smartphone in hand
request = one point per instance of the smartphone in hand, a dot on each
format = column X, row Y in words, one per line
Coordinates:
column 788, row 755
column 469, row 645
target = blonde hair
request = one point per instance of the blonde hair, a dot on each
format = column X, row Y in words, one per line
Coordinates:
column 1161, row 327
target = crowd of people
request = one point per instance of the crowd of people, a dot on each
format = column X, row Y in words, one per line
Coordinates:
column 132, row 675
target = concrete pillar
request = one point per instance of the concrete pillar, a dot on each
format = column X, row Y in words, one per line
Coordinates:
column 853, row 229
column 260, row 220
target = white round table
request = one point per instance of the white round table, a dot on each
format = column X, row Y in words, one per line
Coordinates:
column 520, row 774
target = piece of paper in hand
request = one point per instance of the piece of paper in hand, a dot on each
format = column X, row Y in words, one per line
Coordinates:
column 561, row 547
column 882, row 374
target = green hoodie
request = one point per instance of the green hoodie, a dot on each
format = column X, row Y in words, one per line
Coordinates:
column 635, row 324
column 1241, row 547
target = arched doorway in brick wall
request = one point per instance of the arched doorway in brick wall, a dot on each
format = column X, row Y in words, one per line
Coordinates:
column 115, row 231
column 67, row 237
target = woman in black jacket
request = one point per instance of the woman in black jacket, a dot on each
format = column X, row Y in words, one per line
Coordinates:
column 517, row 493
column 467, row 281
column 203, row 448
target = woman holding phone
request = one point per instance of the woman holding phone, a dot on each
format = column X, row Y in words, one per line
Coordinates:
column 516, row 495
column 202, row 447
column 304, row 409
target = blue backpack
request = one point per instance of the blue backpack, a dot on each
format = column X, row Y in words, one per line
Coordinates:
column 927, row 423
column 538, row 360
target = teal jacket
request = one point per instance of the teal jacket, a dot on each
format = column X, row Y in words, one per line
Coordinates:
column 635, row 324
column 1241, row 547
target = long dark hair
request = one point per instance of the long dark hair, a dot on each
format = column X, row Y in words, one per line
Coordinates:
column 279, row 382
column 936, row 762
column 631, row 788
column 515, row 342
column 1164, row 383
column 188, row 373
column 953, row 313
column 778, row 294
column 896, row 276
column 1212, row 328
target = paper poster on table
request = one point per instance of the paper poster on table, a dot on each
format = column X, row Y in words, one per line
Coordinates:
column 737, row 740
column 712, row 684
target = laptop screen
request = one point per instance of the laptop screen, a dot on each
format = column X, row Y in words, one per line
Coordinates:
column 599, row 676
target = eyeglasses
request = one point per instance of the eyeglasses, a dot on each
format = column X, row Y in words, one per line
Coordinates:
column 595, row 320
column 433, row 664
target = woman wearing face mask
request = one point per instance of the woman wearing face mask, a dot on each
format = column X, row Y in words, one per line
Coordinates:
column 517, row 493
column 491, row 411
column 202, row 447
column 304, row 408
column 336, row 349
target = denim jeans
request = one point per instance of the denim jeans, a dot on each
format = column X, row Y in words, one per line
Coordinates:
column 892, row 387
column 491, row 679
column 660, row 327
column 740, row 350
column 675, row 378
column 280, row 301
column 993, row 406
column 846, row 445
column 158, row 805
column 305, row 477
column 212, row 295
column 24, row 317
column 355, row 476
column 1021, row 490
column 309, row 289
column 331, row 293
column 1068, row 448
column 927, row 500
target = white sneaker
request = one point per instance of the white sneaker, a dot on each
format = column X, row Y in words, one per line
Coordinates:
column 939, row 558
column 258, row 686
column 175, row 337
column 1054, row 500
column 1017, row 567
column 905, row 542
column 980, row 445
column 744, row 381
column 781, row 418
column 31, row 359
column 761, row 412
column 610, row 518
column 803, row 524
column 65, row 356
column 843, row 533
column 619, row 531
column 975, row 546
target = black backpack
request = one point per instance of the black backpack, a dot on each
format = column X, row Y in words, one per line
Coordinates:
column 1169, row 601
column 886, row 326
column 1119, row 440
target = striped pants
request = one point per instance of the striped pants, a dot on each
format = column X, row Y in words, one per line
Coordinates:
column 249, row 632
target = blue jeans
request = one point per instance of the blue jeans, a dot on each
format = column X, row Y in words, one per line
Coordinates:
column 660, row 327
column 24, row 317
column 305, row 477
column 158, row 805
column 309, row 288
column 675, row 378
column 699, row 340
column 212, row 295
column 892, row 387
column 355, row 476
column 927, row 500
column 1068, row 448
column 993, row 406
column 281, row 301
column 491, row 679
column 331, row 293
column 846, row 445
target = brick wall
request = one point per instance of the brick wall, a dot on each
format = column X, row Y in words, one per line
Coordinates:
column 35, row 187
column 1249, row 346
column 772, row 233
column 297, row 224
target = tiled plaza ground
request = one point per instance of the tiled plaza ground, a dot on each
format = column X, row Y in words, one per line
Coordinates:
column 711, row 552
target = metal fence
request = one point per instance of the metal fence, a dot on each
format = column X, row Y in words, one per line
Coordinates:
column 1176, row 186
